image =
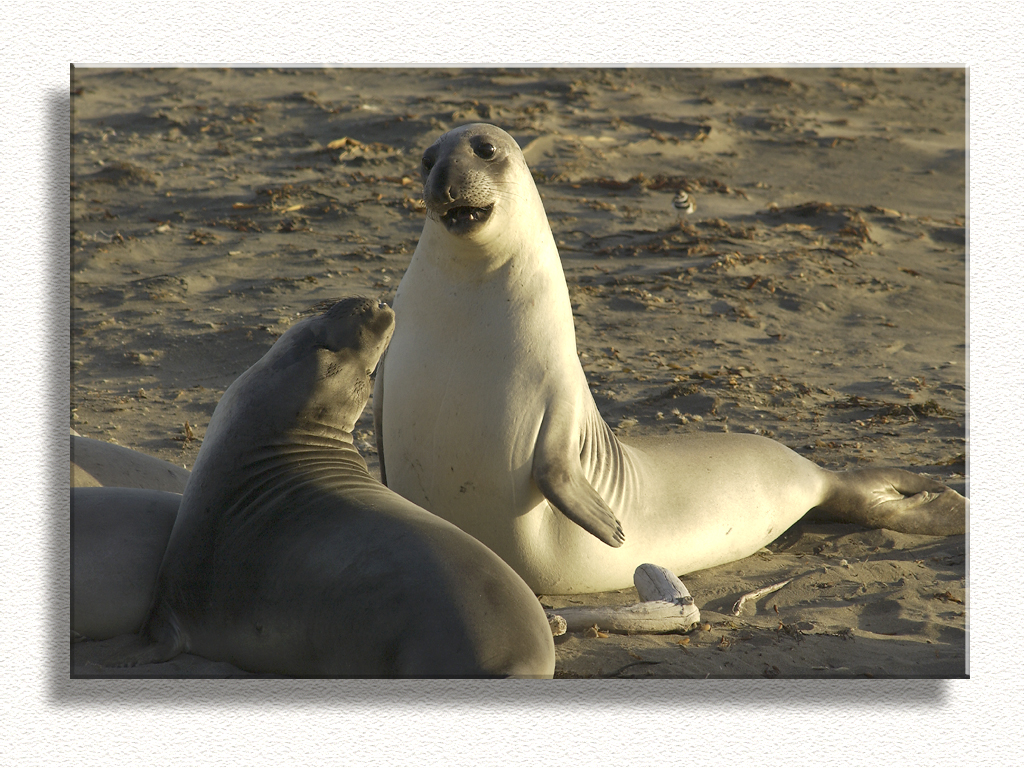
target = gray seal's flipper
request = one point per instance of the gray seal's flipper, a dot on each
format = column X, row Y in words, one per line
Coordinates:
column 140, row 651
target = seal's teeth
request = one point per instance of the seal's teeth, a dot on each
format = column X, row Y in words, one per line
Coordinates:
column 464, row 214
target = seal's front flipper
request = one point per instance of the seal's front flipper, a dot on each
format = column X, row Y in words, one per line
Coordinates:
column 119, row 653
column 559, row 475
column 159, row 640
column 571, row 494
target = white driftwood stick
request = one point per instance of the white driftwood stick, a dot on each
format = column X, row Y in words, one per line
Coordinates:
column 652, row 617
column 666, row 607
column 757, row 594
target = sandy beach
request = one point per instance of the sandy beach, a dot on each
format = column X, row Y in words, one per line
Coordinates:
column 816, row 295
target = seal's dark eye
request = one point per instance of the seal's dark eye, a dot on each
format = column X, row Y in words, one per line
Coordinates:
column 428, row 163
column 484, row 150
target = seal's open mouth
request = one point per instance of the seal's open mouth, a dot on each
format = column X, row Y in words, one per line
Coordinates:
column 463, row 218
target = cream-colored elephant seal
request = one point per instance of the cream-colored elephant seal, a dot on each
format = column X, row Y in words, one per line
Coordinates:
column 484, row 415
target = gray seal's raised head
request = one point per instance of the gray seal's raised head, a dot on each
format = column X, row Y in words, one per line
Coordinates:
column 317, row 374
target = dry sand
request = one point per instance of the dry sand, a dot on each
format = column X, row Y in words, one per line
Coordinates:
column 817, row 294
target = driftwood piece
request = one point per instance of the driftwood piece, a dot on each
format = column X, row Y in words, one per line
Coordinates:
column 666, row 607
column 757, row 594
column 558, row 625
column 654, row 583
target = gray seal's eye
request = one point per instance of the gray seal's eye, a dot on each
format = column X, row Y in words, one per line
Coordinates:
column 484, row 150
column 428, row 163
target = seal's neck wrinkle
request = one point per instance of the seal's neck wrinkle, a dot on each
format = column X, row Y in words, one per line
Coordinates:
column 323, row 436
column 275, row 469
column 299, row 458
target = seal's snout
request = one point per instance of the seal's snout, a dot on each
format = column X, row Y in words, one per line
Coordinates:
column 377, row 317
column 383, row 320
column 462, row 172
column 461, row 199
column 354, row 323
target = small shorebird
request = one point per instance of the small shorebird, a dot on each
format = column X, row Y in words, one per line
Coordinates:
column 683, row 202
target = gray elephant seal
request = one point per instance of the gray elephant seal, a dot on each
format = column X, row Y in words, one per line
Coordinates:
column 95, row 463
column 118, row 538
column 288, row 557
column 484, row 415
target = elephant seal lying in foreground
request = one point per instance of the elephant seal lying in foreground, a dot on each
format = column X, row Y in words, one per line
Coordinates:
column 288, row 557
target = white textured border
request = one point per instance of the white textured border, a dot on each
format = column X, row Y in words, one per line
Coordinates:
column 46, row 720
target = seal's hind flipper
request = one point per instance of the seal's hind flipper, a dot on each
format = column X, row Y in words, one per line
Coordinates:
column 895, row 499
